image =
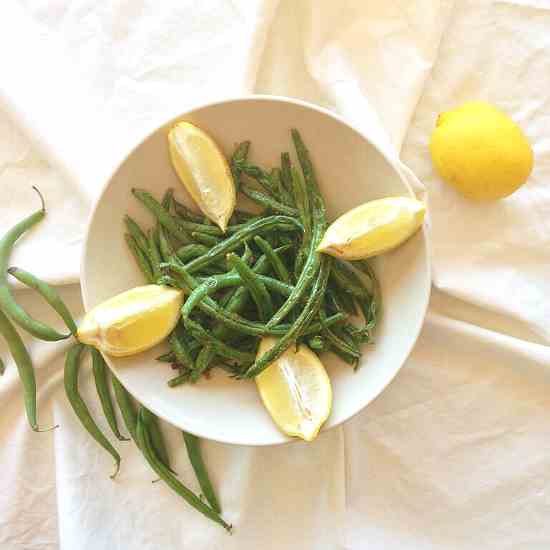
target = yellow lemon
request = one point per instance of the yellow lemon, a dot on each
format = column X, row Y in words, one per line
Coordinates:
column 133, row 321
column 373, row 228
column 480, row 151
column 204, row 171
column 296, row 390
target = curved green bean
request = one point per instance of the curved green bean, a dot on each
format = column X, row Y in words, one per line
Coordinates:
column 144, row 439
column 7, row 302
column 47, row 292
column 25, row 369
column 102, row 387
column 192, row 444
column 72, row 366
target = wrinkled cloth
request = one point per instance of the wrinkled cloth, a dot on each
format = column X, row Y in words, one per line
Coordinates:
column 455, row 453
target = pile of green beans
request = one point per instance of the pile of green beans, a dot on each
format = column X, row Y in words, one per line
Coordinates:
column 262, row 277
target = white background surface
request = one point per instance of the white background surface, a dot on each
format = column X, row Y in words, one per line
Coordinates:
column 455, row 454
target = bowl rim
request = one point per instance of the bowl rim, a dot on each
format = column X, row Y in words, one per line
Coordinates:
column 392, row 161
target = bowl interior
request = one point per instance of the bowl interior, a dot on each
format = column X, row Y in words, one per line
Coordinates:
column 351, row 171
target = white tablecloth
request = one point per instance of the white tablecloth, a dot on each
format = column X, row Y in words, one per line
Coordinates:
column 455, row 454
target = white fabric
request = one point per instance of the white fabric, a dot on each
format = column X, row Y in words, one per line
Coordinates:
column 455, row 454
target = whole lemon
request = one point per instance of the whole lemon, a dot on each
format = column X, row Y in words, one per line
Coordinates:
column 480, row 151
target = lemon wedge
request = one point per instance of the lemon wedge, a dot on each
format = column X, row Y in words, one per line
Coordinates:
column 373, row 228
column 296, row 391
column 204, row 171
column 133, row 321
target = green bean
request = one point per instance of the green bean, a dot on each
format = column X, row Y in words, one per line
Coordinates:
column 190, row 251
column 346, row 300
column 25, row 369
column 268, row 202
column 234, row 241
column 162, row 216
column 243, row 216
column 316, row 343
column 275, row 261
column 154, row 255
column 102, row 387
column 192, row 444
column 257, row 289
column 165, row 246
column 182, row 378
column 302, row 200
column 286, row 177
column 346, row 358
column 335, row 341
column 295, row 331
column 72, row 366
column 144, row 438
column 308, row 274
column 47, row 292
column 181, row 351
column 348, row 281
column 205, row 357
column 7, row 302
column 157, row 442
column 141, row 258
column 169, row 357
column 126, row 406
column 135, row 230
column 240, row 154
column 205, row 238
column 167, row 199
column 282, row 193
column 193, row 227
column 258, row 174
column 186, row 213
column 313, row 260
column 166, row 280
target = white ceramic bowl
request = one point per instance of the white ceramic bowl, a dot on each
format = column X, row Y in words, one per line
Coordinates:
column 351, row 170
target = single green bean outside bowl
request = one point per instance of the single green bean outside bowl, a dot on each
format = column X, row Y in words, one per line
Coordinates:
column 7, row 302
